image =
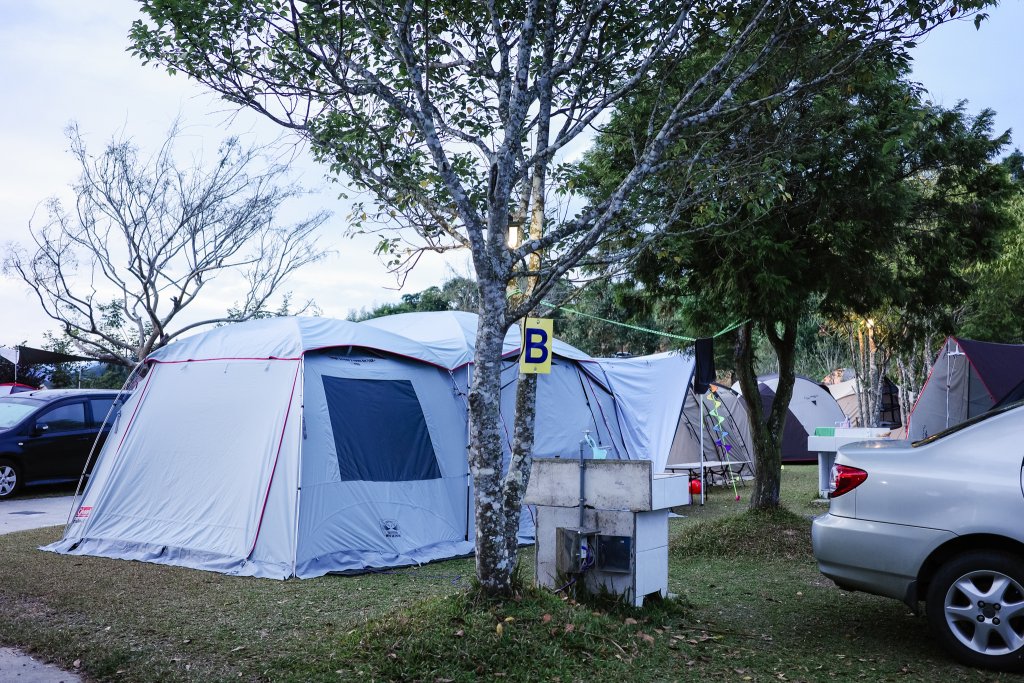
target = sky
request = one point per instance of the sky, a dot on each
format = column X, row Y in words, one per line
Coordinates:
column 66, row 61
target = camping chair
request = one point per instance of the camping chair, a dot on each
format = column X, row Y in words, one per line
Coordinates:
column 596, row 451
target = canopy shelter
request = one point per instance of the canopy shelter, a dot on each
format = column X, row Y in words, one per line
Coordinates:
column 26, row 355
column 968, row 378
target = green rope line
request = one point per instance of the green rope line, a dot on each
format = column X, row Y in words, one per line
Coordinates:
column 648, row 330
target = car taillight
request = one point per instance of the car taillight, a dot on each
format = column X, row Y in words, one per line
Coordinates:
column 845, row 479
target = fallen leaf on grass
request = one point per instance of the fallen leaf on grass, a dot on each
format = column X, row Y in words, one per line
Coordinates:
column 77, row 664
column 569, row 628
column 545, row 619
column 236, row 649
column 460, row 633
column 647, row 638
column 500, row 628
column 630, row 621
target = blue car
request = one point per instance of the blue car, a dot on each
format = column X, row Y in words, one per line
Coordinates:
column 46, row 436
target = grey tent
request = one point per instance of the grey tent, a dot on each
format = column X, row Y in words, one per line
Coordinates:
column 725, row 440
column 968, row 378
column 812, row 406
column 663, row 417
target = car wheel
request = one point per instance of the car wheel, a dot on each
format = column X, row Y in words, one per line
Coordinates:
column 976, row 608
column 10, row 479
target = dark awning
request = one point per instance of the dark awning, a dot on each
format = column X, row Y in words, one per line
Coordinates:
column 25, row 355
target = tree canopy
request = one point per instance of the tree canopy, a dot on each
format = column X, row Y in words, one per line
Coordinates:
column 454, row 116
column 871, row 196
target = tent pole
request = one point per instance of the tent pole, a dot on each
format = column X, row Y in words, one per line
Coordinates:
column 700, row 418
column 469, row 436
column 298, row 475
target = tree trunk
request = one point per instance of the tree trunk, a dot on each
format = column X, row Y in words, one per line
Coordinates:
column 518, row 476
column 857, row 374
column 494, row 566
column 766, row 431
column 906, row 390
column 863, row 380
column 874, row 381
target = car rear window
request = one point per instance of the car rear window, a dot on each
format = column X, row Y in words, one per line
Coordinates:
column 100, row 408
column 12, row 412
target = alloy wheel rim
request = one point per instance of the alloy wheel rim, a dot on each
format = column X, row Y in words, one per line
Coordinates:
column 8, row 478
column 984, row 610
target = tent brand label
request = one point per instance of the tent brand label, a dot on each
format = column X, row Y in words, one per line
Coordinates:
column 536, row 353
column 390, row 528
column 83, row 512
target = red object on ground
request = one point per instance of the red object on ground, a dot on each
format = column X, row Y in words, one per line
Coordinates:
column 695, row 487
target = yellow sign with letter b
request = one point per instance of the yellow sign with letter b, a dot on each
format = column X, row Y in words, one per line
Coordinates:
column 535, row 356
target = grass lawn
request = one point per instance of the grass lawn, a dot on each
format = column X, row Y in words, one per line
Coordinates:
column 751, row 607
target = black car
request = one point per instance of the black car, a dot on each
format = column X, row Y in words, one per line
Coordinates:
column 46, row 436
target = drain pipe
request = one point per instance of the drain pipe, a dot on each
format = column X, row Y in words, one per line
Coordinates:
column 583, row 467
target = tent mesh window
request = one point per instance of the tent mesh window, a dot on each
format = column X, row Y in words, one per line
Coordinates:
column 380, row 433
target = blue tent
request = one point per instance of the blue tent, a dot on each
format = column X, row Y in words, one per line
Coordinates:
column 301, row 446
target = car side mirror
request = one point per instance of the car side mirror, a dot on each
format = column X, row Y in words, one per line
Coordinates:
column 40, row 429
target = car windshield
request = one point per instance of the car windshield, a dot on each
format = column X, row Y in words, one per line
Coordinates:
column 998, row 410
column 14, row 410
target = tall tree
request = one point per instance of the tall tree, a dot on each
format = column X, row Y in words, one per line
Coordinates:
column 147, row 235
column 875, row 197
column 452, row 114
column 994, row 310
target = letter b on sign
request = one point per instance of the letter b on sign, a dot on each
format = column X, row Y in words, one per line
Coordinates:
column 536, row 354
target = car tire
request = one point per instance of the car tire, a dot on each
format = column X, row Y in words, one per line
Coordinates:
column 10, row 479
column 975, row 607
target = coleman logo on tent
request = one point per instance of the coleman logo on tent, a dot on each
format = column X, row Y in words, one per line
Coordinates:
column 536, row 354
column 390, row 528
column 83, row 513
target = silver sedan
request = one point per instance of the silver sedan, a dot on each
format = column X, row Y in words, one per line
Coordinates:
column 939, row 521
